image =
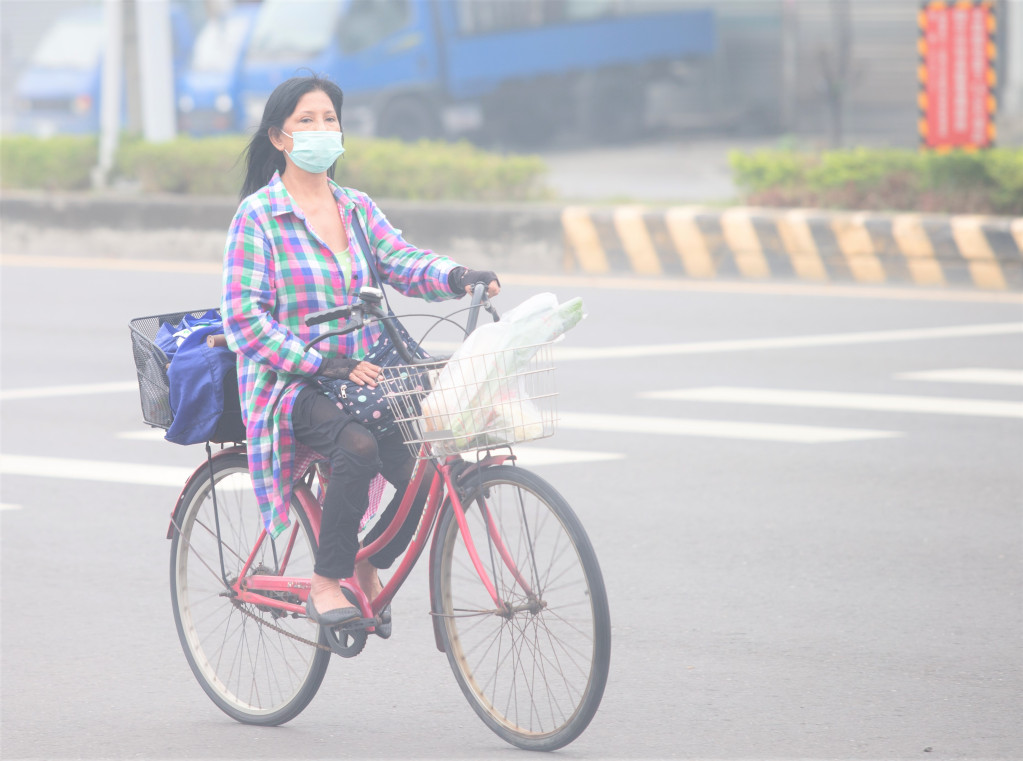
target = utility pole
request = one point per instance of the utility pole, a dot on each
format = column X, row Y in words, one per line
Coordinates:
column 837, row 68
column 110, row 91
column 789, row 64
column 156, row 70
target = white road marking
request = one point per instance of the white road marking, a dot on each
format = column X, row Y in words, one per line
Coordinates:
column 104, row 263
column 570, row 353
column 94, row 470
column 718, row 429
column 834, row 400
column 78, row 390
column 979, row 375
column 151, row 434
column 527, row 455
column 536, row 456
column 9, row 507
column 167, row 475
column 565, row 353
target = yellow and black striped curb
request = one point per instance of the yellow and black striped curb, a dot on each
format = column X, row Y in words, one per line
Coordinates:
column 964, row 250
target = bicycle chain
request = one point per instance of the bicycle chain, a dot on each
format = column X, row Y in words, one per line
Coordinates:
column 264, row 622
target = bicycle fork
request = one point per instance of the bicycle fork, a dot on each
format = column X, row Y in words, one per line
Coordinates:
column 503, row 608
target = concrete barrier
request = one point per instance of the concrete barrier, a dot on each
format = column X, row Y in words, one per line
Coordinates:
column 514, row 237
column 693, row 242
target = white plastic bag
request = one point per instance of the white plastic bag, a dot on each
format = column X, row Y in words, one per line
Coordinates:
column 478, row 400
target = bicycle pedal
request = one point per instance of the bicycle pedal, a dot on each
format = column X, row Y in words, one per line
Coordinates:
column 355, row 625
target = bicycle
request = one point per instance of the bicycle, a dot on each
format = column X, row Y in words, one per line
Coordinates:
column 517, row 597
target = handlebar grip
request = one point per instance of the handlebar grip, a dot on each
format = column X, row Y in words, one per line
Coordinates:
column 479, row 299
column 478, row 291
column 326, row 315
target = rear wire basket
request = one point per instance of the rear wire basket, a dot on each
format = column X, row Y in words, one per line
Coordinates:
column 474, row 403
column 151, row 366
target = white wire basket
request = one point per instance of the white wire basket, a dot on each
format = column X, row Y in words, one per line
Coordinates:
column 474, row 403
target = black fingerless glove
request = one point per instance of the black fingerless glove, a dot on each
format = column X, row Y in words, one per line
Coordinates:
column 460, row 277
column 337, row 368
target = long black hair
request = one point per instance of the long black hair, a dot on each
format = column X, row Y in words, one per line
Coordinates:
column 262, row 159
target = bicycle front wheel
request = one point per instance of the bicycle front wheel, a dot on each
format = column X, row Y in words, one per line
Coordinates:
column 251, row 660
column 534, row 669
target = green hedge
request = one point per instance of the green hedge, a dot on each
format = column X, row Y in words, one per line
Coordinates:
column 207, row 166
column 59, row 163
column 214, row 166
column 429, row 170
column 982, row 182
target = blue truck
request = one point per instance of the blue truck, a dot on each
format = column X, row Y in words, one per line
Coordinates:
column 58, row 91
column 513, row 71
column 209, row 89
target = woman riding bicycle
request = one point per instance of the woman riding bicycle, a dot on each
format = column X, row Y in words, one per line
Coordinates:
column 292, row 250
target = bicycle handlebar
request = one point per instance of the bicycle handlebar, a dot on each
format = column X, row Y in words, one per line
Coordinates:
column 369, row 309
column 334, row 313
column 479, row 298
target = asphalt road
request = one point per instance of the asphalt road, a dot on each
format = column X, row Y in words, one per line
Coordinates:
column 806, row 502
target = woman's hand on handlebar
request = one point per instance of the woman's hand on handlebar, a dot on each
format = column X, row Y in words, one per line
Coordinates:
column 463, row 279
column 345, row 368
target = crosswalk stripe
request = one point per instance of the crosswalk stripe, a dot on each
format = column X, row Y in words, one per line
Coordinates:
column 718, row 429
column 834, row 400
column 978, row 375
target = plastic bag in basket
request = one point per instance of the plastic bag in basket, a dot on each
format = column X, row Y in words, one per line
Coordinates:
column 479, row 396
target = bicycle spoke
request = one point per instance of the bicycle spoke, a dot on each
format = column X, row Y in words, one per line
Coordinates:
column 241, row 652
column 534, row 670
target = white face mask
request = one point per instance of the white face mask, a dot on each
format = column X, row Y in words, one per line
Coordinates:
column 315, row 151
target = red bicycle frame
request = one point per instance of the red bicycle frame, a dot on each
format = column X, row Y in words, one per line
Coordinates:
column 265, row 590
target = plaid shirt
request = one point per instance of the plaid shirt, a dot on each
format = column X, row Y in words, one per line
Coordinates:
column 276, row 271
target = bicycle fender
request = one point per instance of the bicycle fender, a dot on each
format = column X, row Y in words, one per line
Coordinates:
column 434, row 549
column 201, row 472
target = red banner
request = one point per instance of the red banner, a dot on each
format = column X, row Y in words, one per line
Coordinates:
column 957, row 75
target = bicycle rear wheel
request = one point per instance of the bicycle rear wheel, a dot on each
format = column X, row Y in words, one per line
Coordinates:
column 241, row 654
column 535, row 671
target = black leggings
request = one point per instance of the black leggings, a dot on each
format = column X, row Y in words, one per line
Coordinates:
column 355, row 457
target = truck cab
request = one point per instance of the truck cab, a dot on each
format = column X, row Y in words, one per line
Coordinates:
column 58, row 91
column 382, row 53
column 210, row 87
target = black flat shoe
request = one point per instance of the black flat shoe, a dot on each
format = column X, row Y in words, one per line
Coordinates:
column 383, row 629
column 330, row 618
